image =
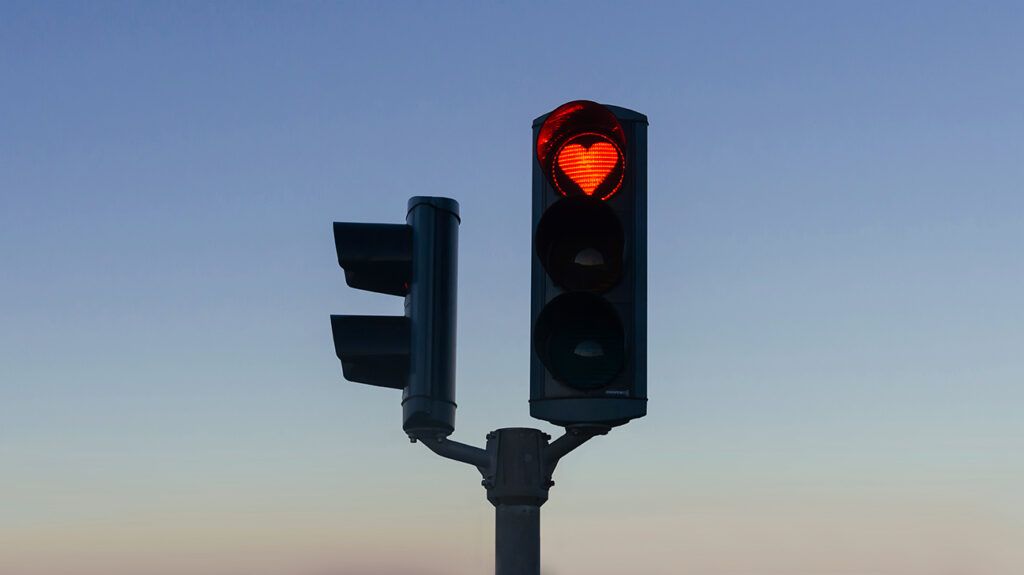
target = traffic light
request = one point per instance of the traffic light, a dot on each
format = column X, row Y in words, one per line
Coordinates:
column 414, row 352
column 589, row 294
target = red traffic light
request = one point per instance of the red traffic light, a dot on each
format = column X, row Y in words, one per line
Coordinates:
column 591, row 162
column 580, row 147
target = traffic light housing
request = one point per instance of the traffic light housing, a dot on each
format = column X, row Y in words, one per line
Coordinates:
column 414, row 352
column 589, row 274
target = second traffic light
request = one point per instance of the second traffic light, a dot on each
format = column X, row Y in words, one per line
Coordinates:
column 588, row 358
column 414, row 352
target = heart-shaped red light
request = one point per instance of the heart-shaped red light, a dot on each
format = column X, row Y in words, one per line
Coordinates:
column 589, row 166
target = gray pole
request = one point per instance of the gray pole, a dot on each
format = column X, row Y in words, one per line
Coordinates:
column 517, row 467
column 517, row 540
column 517, row 484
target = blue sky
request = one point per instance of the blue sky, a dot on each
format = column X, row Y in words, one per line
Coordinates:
column 836, row 280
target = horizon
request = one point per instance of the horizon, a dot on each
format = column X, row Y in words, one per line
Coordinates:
column 835, row 285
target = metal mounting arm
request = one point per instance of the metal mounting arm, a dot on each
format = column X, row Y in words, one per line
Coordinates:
column 457, row 451
column 517, row 467
column 570, row 440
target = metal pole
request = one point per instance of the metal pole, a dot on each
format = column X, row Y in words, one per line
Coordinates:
column 517, row 540
column 516, row 469
column 517, row 486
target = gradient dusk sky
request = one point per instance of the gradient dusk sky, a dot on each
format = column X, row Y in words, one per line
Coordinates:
column 836, row 284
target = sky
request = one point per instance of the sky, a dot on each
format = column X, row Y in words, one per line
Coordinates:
column 836, row 284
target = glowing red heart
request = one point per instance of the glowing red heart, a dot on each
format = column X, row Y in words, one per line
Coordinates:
column 588, row 166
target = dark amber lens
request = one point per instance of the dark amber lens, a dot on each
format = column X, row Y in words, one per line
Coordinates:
column 580, row 244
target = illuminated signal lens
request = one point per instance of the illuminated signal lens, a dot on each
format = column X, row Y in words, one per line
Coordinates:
column 590, row 164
